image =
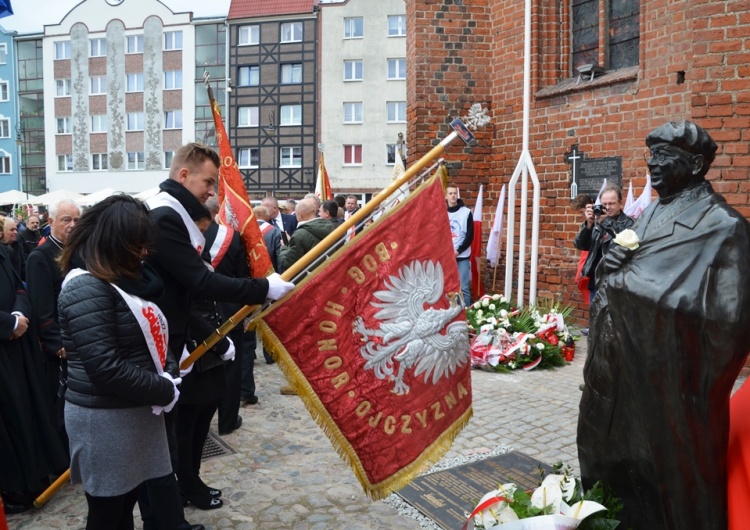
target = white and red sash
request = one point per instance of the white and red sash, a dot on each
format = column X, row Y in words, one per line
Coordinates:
column 221, row 244
column 197, row 240
column 264, row 227
column 150, row 319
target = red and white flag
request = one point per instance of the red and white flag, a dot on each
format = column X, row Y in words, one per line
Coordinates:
column 235, row 209
column 322, row 184
column 477, row 286
column 381, row 359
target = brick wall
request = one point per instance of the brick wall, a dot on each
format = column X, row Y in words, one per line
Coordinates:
column 694, row 63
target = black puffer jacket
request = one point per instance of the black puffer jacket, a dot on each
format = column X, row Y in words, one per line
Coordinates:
column 109, row 365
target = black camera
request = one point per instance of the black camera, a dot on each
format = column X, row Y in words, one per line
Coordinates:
column 599, row 209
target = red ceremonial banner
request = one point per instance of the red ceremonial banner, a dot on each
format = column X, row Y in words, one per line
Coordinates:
column 235, row 209
column 376, row 343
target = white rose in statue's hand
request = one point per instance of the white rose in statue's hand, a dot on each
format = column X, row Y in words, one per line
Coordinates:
column 628, row 239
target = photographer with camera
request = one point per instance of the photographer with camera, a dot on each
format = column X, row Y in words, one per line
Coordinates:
column 603, row 222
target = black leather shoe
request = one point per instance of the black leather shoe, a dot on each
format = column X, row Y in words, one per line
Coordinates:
column 203, row 501
column 197, row 527
column 236, row 426
column 252, row 400
column 214, row 492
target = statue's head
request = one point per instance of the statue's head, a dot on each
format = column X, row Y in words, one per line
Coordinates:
column 681, row 154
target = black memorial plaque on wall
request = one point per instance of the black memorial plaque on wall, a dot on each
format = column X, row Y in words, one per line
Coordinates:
column 447, row 496
column 592, row 172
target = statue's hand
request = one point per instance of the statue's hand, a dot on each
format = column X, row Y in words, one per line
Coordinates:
column 615, row 259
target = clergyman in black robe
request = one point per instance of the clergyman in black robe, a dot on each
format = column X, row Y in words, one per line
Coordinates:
column 670, row 330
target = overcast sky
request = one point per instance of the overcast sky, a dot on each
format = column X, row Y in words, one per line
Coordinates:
column 29, row 16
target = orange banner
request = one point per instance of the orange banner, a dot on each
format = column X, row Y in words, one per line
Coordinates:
column 235, row 209
column 377, row 347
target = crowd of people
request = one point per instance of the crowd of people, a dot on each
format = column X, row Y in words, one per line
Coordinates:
column 96, row 316
column 99, row 309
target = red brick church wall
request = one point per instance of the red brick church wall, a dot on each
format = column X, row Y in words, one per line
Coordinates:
column 694, row 63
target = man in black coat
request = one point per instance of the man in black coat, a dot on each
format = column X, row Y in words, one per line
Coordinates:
column 226, row 253
column 32, row 235
column 176, row 257
column 43, row 283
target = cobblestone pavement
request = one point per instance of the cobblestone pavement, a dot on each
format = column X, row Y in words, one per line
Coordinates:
column 286, row 475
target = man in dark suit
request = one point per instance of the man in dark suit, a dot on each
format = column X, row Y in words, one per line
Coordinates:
column 43, row 284
column 226, row 253
column 284, row 222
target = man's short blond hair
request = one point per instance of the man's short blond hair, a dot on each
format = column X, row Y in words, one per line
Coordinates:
column 192, row 155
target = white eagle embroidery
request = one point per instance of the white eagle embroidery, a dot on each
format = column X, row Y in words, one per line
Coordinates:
column 412, row 336
column 231, row 218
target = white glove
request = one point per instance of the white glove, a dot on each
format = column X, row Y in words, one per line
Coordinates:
column 229, row 354
column 185, row 355
column 156, row 409
column 278, row 287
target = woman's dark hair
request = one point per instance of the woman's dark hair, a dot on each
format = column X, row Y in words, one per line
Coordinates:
column 109, row 239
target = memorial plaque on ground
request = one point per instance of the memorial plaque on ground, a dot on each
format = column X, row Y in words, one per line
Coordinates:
column 592, row 172
column 446, row 496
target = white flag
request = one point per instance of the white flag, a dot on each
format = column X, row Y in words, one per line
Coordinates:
column 601, row 190
column 630, row 199
column 643, row 200
column 494, row 242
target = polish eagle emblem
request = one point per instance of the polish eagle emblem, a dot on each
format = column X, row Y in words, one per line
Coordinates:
column 412, row 335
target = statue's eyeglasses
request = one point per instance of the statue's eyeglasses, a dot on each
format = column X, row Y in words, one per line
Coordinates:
column 661, row 154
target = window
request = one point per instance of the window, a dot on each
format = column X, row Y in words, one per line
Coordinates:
column 291, row 157
column 5, row 165
column 291, row 115
column 249, row 35
column 621, row 38
column 353, row 70
column 396, row 25
column 173, row 119
column 248, row 116
column 249, row 76
column 291, row 74
column 172, row 79
column 390, row 153
column 64, row 126
column 352, row 155
column 136, row 160
column 62, row 87
column 168, row 156
column 248, row 158
column 4, row 94
column 135, row 83
column 62, row 50
column 5, row 128
column 99, row 162
column 173, row 40
column 135, row 121
column 3, row 53
column 65, row 162
column 353, row 27
column 396, row 68
column 98, row 85
column 353, row 112
column 98, row 47
column 134, row 44
column 396, row 111
column 98, row 123
column 291, row 32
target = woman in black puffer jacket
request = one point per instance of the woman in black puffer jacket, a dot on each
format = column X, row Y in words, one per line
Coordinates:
column 116, row 343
